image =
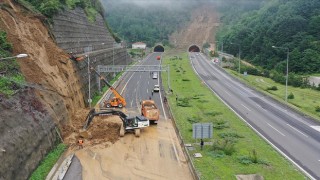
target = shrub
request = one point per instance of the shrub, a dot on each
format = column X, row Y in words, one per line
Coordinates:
column 183, row 102
column 221, row 124
column 317, row 108
column 273, row 88
column 226, row 146
column 291, row 96
column 229, row 135
column 251, row 159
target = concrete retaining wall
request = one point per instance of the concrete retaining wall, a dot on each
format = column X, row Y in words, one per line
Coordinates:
column 73, row 32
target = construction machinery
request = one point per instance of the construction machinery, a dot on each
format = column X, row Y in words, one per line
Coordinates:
column 150, row 110
column 117, row 100
column 76, row 58
column 135, row 123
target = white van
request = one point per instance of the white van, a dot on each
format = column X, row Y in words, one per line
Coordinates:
column 155, row 75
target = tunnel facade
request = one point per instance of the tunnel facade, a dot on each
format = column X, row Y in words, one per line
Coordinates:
column 194, row 48
column 158, row 48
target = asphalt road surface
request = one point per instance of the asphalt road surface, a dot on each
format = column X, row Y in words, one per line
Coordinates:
column 295, row 136
column 156, row 154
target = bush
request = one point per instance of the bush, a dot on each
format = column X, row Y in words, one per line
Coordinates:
column 221, row 124
column 317, row 108
column 251, row 159
column 226, row 146
column 291, row 96
column 273, row 88
column 229, row 135
column 183, row 102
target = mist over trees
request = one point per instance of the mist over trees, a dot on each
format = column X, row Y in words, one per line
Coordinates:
column 148, row 22
column 293, row 24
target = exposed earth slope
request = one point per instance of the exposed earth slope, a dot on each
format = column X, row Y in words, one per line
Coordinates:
column 201, row 29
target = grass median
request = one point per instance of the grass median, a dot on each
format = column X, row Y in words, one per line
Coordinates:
column 235, row 148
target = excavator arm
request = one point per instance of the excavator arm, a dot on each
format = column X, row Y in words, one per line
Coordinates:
column 93, row 113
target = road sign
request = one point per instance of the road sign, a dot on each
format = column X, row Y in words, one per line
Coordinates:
column 202, row 130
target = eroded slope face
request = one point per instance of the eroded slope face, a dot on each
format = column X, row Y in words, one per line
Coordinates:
column 201, row 29
column 53, row 94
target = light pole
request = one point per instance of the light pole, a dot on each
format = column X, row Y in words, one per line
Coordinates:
column 17, row 56
column 87, row 50
column 238, row 54
column 287, row 49
column 114, row 75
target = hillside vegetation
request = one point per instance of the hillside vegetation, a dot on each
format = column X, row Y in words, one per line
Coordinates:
column 293, row 24
column 149, row 23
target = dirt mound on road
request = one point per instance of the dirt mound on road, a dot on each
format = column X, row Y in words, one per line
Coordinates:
column 102, row 129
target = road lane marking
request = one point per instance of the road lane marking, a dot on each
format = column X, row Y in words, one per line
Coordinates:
column 228, row 93
column 317, row 128
column 245, row 107
column 228, row 84
column 276, row 129
column 254, row 129
column 297, row 130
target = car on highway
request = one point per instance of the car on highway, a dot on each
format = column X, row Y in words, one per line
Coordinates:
column 156, row 88
column 155, row 75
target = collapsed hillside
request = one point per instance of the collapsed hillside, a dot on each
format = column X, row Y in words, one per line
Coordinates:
column 201, row 29
column 53, row 93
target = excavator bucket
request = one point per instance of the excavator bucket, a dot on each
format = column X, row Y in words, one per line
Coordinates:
column 85, row 134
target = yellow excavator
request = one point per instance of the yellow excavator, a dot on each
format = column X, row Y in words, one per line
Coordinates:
column 117, row 100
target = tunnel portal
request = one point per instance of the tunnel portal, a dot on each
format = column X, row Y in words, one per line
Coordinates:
column 194, row 48
column 158, row 48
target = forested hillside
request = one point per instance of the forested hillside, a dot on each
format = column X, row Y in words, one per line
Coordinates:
column 293, row 24
column 148, row 22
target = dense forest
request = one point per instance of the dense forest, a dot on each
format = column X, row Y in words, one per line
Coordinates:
column 292, row 25
column 148, row 22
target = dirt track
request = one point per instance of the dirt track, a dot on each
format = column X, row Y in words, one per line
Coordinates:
column 155, row 155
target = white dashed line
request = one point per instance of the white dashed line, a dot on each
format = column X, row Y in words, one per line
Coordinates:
column 297, row 130
column 245, row 107
column 276, row 130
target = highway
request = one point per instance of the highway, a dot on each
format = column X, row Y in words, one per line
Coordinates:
column 295, row 136
column 156, row 154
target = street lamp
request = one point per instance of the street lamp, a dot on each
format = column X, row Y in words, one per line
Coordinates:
column 17, row 56
column 287, row 49
column 238, row 54
column 114, row 74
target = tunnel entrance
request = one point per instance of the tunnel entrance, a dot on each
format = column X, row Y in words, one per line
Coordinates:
column 194, row 48
column 158, row 48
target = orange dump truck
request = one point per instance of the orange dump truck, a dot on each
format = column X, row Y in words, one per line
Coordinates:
column 150, row 110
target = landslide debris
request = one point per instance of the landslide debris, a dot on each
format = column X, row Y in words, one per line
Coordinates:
column 102, row 129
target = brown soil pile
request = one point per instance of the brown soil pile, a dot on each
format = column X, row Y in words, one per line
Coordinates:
column 101, row 129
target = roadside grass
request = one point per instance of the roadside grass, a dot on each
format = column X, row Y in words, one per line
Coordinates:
column 305, row 100
column 236, row 148
column 48, row 162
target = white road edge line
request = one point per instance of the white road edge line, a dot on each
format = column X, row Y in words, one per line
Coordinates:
column 254, row 129
column 245, row 107
column 297, row 130
column 276, row 129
